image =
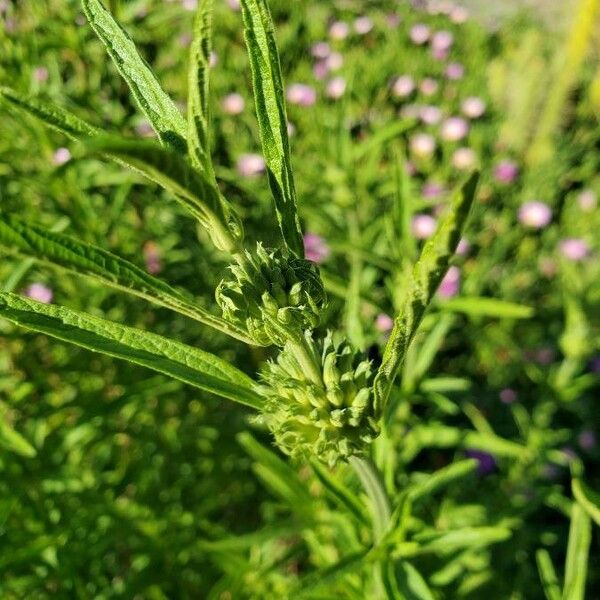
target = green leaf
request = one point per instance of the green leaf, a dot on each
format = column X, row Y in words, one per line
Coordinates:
column 587, row 498
column 13, row 441
column 448, row 542
column 547, row 575
column 411, row 584
column 580, row 537
column 198, row 90
column 427, row 275
column 433, row 482
column 79, row 257
column 191, row 188
column 487, row 307
column 272, row 118
column 56, row 117
column 158, row 107
column 186, row 363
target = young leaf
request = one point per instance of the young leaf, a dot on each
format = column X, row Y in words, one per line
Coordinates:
column 547, row 575
column 272, row 118
column 186, row 363
column 198, row 90
column 448, row 542
column 191, row 188
column 442, row 478
column 79, row 257
column 13, row 441
column 487, row 307
column 410, row 583
column 427, row 275
column 587, row 498
column 56, row 117
column 158, row 107
column 580, row 536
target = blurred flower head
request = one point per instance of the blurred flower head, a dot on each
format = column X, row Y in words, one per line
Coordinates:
column 251, row 165
column 189, row 4
column 419, row 33
column 508, row 396
column 336, row 88
column 473, row 107
column 464, row 158
column 429, row 86
column 430, row 115
column 450, row 284
column 339, row 30
column 506, row 171
column 234, row 4
column 384, row 323
column 463, row 247
column 362, row 25
column 403, row 86
column 442, row 40
column 40, row 74
column 487, row 463
column 454, row 129
column 61, row 156
column 587, row 440
column 535, row 214
column 574, row 249
column 233, row 104
column 459, row 14
column 40, row 293
column 422, row 145
column 320, row 50
column 315, row 248
column 301, row 94
column 335, row 61
column 454, row 71
column 432, row 190
column 587, row 200
column 392, row 20
column 152, row 257
column 213, row 59
column 423, row 226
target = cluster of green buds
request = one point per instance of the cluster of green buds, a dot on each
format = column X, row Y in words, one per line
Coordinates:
column 273, row 295
column 326, row 412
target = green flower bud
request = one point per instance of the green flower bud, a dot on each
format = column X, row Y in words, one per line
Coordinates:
column 332, row 420
column 273, row 295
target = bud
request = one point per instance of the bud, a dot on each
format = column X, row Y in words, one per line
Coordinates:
column 274, row 296
column 332, row 420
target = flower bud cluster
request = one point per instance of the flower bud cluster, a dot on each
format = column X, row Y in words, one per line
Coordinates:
column 331, row 419
column 273, row 295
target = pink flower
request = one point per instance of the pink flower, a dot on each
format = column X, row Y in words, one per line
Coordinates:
column 587, row 440
column 301, row 94
column 362, row 25
column 450, row 284
column 40, row 293
column 454, row 71
column 419, row 33
column 422, row 145
column 574, row 249
column 473, row 107
column 459, row 14
column 392, row 20
column 430, row 115
column 587, row 200
column 320, row 69
column 506, row 171
column 439, row 54
column 454, row 129
column 144, row 129
column 40, row 74
column 320, row 50
column 442, row 40
column 403, row 86
column 428, row 86
column 464, row 158
column 432, row 190
column 339, row 30
column 233, row 104
column 535, row 214
column 152, row 257
column 508, row 396
column 251, row 165
column 336, row 88
column 61, row 156
column 423, row 226
column 334, row 61
column 189, row 4
column 463, row 247
column 315, row 248
column 213, row 59
column 234, row 4
column 384, row 323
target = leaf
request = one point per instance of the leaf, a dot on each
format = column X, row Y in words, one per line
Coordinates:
column 547, row 575
column 580, row 536
column 411, row 584
column 173, row 173
column 433, row 482
column 487, row 307
column 448, row 542
column 79, row 257
column 427, row 275
column 198, row 90
column 158, row 107
column 13, row 441
column 272, row 118
column 56, row 117
column 587, row 498
column 186, row 363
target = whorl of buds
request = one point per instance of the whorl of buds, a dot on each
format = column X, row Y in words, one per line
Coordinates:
column 332, row 419
column 273, row 295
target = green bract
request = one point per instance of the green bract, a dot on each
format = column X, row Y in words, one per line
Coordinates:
column 332, row 420
column 274, row 295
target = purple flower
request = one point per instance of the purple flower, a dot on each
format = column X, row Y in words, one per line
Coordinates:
column 315, row 248
column 403, row 86
column 392, row 20
column 61, row 156
column 251, row 165
column 450, row 284
column 574, row 249
column 535, row 214
column 423, row 226
column 339, row 30
column 384, row 323
column 506, row 171
column 301, row 94
column 430, row 115
column 587, row 200
column 442, row 40
column 152, row 257
column 595, row 364
column 320, row 50
column 362, row 25
column 463, row 247
column 454, row 71
column 473, row 107
column 487, row 463
column 40, row 74
column 432, row 190
column 464, row 158
column 508, row 396
column 429, row 86
column 233, row 104
column 422, row 145
column 40, row 293
column 336, row 88
column 454, row 129
column 419, row 33
column 320, row 69
column 587, row 440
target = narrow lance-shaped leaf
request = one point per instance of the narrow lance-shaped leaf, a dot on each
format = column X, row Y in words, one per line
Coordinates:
column 588, row 499
column 74, row 255
column 176, row 175
column 198, row 90
column 13, row 441
column 547, row 575
column 576, row 565
column 272, row 118
column 427, row 275
column 186, row 363
column 158, row 107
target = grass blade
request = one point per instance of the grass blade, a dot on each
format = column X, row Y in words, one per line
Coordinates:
column 426, row 277
column 547, row 575
column 580, row 537
column 186, row 363
column 488, row 307
column 272, row 118
column 158, row 107
column 79, row 257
